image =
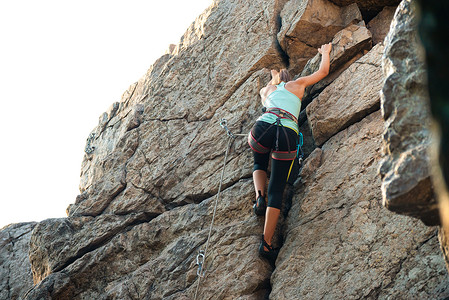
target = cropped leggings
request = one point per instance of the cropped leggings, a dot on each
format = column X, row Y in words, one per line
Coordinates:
column 279, row 168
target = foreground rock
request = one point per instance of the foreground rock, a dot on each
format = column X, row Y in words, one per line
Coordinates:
column 433, row 24
column 15, row 268
column 406, row 186
column 341, row 243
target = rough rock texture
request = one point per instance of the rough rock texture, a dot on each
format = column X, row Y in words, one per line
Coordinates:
column 174, row 110
column 15, row 268
column 353, row 95
column 156, row 259
column 380, row 24
column 348, row 45
column 341, row 243
column 152, row 169
column 406, row 186
column 307, row 24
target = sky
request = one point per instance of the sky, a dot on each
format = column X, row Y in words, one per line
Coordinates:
column 62, row 64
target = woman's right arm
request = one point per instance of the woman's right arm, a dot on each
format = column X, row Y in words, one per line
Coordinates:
column 322, row 71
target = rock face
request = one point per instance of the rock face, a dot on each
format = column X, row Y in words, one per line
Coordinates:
column 406, row 185
column 348, row 45
column 307, row 24
column 353, row 95
column 380, row 24
column 341, row 243
column 174, row 111
column 151, row 174
column 15, row 268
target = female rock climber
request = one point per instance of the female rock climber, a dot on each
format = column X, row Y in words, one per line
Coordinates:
column 276, row 133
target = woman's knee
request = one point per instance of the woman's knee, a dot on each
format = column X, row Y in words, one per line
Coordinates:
column 275, row 199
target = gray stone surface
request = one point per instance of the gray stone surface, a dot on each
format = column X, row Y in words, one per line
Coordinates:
column 15, row 267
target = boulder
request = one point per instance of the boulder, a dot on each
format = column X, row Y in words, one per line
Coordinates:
column 340, row 241
column 380, row 24
column 15, row 267
column 306, row 25
column 352, row 96
column 406, row 185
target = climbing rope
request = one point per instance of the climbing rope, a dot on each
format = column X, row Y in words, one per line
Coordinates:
column 201, row 257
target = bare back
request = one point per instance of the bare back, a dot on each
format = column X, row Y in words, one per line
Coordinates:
column 291, row 86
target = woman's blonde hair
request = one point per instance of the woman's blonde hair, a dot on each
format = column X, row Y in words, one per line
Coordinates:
column 284, row 76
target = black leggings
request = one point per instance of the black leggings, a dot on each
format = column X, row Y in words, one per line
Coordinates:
column 279, row 168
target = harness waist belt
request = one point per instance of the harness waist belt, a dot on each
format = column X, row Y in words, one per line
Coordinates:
column 281, row 113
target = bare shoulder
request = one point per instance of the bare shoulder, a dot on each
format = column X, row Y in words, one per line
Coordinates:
column 267, row 90
column 296, row 88
column 264, row 92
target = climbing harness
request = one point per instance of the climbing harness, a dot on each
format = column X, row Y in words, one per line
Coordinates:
column 279, row 112
column 276, row 154
column 201, row 257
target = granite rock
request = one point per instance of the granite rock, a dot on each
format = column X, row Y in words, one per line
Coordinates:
column 151, row 174
column 348, row 45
